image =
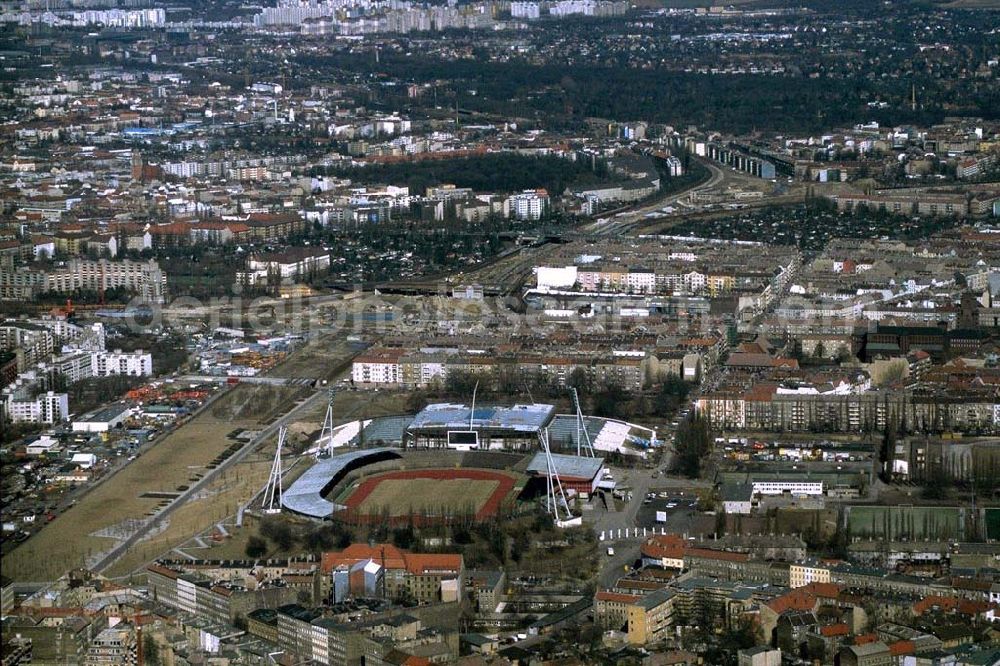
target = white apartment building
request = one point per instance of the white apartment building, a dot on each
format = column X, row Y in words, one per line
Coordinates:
column 377, row 369
column 183, row 169
column 695, row 282
column 431, row 371
column 31, row 343
column 144, row 278
column 529, row 204
column 293, row 263
column 121, row 18
column 46, row 408
column 296, row 261
column 136, row 364
column 73, row 366
column 525, row 10
column 641, row 281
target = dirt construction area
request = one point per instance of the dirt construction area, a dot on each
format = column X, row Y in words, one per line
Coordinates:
column 112, row 510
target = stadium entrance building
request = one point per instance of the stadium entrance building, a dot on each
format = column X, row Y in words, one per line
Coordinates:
column 578, row 473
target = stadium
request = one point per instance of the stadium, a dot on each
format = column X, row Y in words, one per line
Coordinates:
column 451, row 462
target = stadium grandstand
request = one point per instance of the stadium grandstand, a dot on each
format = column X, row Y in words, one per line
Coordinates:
column 307, row 496
column 608, row 435
column 508, row 428
column 446, row 425
column 389, row 430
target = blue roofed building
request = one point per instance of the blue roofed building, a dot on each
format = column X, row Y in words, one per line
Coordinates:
column 458, row 426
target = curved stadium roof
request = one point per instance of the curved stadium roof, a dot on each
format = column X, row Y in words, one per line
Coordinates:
column 305, row 495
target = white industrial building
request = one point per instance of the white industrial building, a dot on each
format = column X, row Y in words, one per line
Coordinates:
column 103, row 419
column 43, row 445
column 796, row 486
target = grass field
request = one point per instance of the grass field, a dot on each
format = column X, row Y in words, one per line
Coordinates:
column 928, row 523
column 428, row 496
column 178, row 460
column 432, row 493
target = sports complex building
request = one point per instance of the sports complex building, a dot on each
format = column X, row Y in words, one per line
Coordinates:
column 454, row 462
column 514, row 428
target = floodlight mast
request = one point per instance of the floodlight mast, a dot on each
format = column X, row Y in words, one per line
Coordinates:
column 581, row 427
column 472, row 412
column 326, row 433
column 273, row 490
column 553, row 486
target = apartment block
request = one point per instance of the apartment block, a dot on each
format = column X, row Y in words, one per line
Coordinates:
column 361, row 570
column 650, row 619
column 215, row 600
column 144, row 279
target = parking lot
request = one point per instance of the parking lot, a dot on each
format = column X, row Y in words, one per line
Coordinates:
column 667, row 507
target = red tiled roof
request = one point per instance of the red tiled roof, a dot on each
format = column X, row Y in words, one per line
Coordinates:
column 618, row 597
column 935, row 601
column 824, row 590
column 162, row 570
column 839, row 629
column 804, row 598
column 172, row 229
column 393, row 558
column 664, row 545
column 717, row 555
column 797, row 599
column 900, row 648
column 761, row 392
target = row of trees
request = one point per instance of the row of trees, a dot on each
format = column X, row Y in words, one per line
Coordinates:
column 738, row 104
column 692, row 444
column 275, row 534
